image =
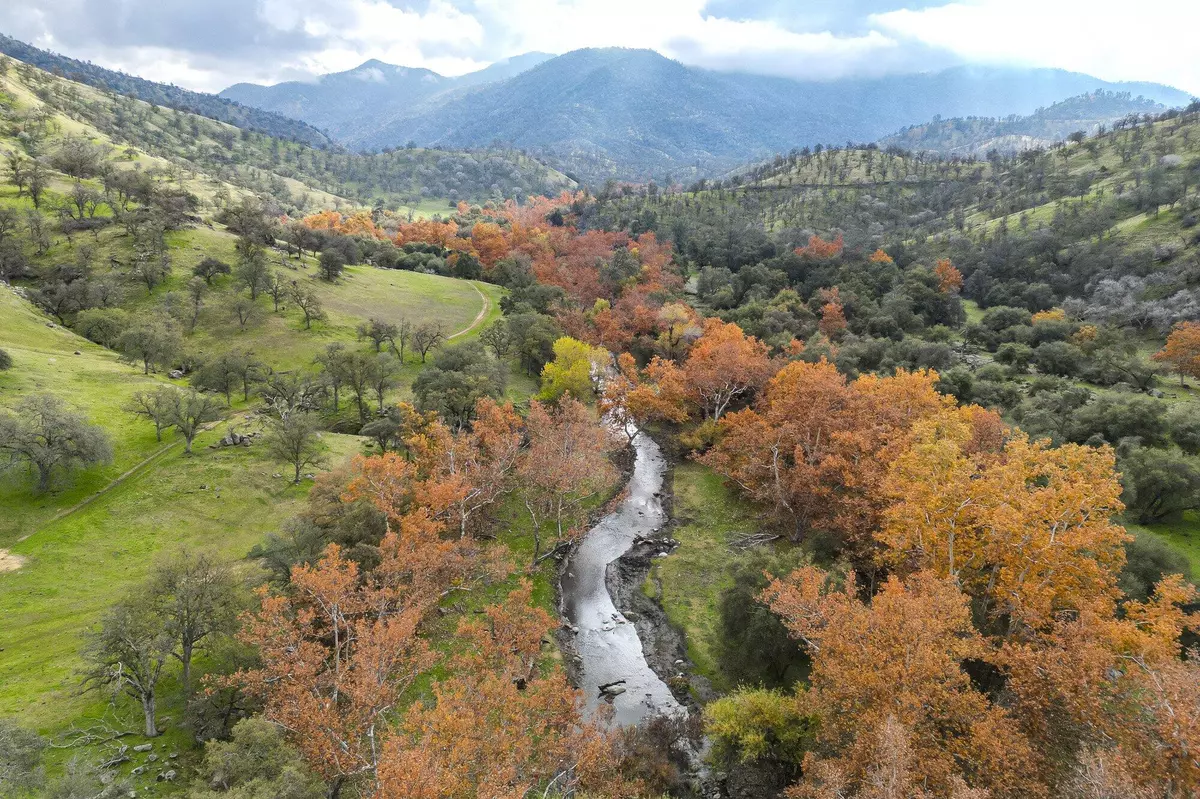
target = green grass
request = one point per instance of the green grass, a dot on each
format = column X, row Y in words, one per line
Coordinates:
column 94, row 383
column 222, row 500
column 690, row 582
column 1184, row 537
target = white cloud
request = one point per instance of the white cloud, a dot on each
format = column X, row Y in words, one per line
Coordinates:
column 1154, row 40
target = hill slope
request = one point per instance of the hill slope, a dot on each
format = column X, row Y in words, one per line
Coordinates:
column 633, row 113
column 209, row 105
column 975, row 136
column 214, row 159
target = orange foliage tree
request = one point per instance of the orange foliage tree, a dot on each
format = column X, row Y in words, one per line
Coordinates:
column 498, row 727
column 949, row 278
column 1182, row 350
column 819, row 249
column 337, row 650
column 1026, row 529
column 565, row 464
column 896, row 663
column 725, row 364
column 833, row 315
column 815, row 449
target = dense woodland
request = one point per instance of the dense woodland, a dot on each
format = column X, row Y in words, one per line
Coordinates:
column 957, row 396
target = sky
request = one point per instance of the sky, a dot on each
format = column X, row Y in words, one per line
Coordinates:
column 210, row 44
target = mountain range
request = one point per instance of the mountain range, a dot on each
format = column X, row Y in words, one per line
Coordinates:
column 624, row 113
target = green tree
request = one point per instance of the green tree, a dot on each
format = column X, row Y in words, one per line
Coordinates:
column 192, row 411
column 127, row 654
column 296, row 439
column 574, row 370
column 46, row 435
column 153, row 344
column 256, row 763
column 456, row 380
column 20, row 759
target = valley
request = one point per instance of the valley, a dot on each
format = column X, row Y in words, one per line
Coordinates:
column 591, row 426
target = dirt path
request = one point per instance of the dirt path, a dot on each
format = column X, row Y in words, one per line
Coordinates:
column 487, row 306
column 158, row 453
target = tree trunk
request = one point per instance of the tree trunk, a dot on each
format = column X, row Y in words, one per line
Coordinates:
column 297, row 480
column 186, row 660
column 148, row 711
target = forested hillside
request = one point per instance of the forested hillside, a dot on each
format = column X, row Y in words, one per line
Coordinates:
column 292, row 175
column 633, row 114
column 976, row 136
column 208, row 105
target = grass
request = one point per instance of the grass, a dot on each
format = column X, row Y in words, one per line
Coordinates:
column 222, row 500
column 689, row 583
column 93, row 382
column 1183, row 536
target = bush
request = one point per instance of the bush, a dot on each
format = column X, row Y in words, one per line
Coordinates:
column 1058, row 358
column 102, row 325
column 754, row 647
column 6, row 360
column 1147, row 560
column 331, row 265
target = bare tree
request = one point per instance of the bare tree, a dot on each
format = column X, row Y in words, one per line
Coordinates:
column 309, row 304
column 296, row 439
column 277, row 286
column 46, row 435
column 243, row 310
column 427, row 337
column 197, row 598
column 127, row 654
column 158, row 406
column 192, row 411
column 379, row 332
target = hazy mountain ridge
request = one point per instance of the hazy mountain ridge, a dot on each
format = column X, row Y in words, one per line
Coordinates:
column 371, row 94
column 601, row 113
column 975, row 136
column 246, row 116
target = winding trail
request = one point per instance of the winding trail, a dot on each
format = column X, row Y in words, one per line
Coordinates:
column 609, row 645
column 479, row 317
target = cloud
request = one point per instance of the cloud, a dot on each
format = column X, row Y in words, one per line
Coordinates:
column 1154, row 41
column 209, row 44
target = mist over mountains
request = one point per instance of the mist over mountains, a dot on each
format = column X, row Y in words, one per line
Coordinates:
column 634, row 114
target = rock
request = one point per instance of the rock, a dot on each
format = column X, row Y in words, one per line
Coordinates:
column 173, row 755
column 614, row 691
column 175, row 374
column 608, row 627
column 143, row 747
column 137, row 772
column 612, row 688
column 277, row 475
column 77, row 352
column 167, row 776
column 152, row 758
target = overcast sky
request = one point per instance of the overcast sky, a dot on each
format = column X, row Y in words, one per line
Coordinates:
column 210, row 44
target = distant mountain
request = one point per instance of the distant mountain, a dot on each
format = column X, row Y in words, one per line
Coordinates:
column 976, row 136
column 371, row 95
column 248, row 117
column 632, row 114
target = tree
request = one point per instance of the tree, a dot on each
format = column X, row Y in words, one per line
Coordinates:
column 6, row 361
column 382, row 375
column 228, row 371
column 331, row 265
column 152, row 343
column 950, row 280
column 20, row 759
column 243, row 310
column 575, row 369
column 255, row 762
column 1026, row 530
column 497, row 338
column 158, row 406
column 565, row 464
column 45, row 434
column 18, row 170
column 1182, row 350
column 196, row 597
column 334, row 363
column 209, row 268
column 898, row 660
column 497, row 725
column 379, row 332
column 1159, row 484
column 192, row 411
column 277, row 286
column 309, row 303
column 252, row 271
column 725, row 364
column 427, row 337
column 814, row 449
column 296, row 439
column 39, row 180
column 337, row 651
column 456, row 380
column 127, row 654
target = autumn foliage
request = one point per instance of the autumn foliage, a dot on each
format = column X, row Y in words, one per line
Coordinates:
column 1182, row 350
column 950, row 280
